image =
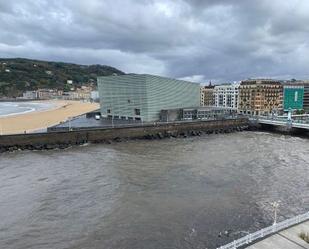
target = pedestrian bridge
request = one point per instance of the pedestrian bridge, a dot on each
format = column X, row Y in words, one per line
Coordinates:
column 302, row 123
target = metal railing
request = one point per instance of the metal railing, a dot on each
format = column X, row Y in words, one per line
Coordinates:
column 266, row 231
column 281, row 121
column 58, row 128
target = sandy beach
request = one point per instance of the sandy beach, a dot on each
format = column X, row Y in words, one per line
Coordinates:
column 61, row 111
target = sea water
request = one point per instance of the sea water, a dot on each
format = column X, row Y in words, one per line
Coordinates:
column 16, row 108
column 199, row 192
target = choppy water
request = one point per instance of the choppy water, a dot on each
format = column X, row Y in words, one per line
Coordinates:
column 14, row 108
column 177, row 193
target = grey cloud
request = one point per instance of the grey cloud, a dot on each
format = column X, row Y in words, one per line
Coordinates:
column 221, row 40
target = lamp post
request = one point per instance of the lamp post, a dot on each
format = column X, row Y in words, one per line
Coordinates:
column 290, row 114
column 275, row 206
column 69, row 124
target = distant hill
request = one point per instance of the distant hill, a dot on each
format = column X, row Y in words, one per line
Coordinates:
column 18, row 75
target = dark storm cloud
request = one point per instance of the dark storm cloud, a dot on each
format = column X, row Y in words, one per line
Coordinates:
column 219, row 40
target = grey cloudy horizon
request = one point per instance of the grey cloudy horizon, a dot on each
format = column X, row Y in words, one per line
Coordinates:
column 198, row 40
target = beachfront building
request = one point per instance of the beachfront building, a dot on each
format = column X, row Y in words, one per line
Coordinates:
column 226, row 96
column 79, row 93
column 207, row 95
column 49, row 93
column 260, row 97
column 30, row 95
column 94, row 96
column 143, row 96
column 293, row 97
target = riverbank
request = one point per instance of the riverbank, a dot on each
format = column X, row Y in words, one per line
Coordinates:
column 53, row 140
column 33, row 121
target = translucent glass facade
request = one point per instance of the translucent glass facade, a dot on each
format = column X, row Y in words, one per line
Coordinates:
column 293, row 97
column 142, row 96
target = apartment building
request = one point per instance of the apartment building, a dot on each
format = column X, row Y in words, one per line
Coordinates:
column 207, row 95
column 226, row 95
column 260, row 96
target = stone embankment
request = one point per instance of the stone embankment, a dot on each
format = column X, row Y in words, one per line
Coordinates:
column 62, row 140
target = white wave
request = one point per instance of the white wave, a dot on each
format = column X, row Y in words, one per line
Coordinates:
column 18, row 108
column 18, row 113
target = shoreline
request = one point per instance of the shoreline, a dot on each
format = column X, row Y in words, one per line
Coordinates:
column 41, row 119
column 65, row 139
column 51, row 102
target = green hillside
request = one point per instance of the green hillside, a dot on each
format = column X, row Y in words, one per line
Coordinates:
column 18, row 75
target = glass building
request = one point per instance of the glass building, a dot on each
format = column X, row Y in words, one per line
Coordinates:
column 143, row 96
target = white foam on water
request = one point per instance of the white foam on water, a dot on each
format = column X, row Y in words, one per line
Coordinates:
column 17, row 108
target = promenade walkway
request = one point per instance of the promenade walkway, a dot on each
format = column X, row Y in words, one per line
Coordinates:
column 285, row 232
column 286, row 239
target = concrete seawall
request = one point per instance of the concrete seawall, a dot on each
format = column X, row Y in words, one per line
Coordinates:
column 40, row 141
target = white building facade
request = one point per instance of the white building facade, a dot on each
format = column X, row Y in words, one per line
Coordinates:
column 95, row 95
column 30, row 95
column 226, row 96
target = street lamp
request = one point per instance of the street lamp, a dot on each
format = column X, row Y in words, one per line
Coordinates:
column 275, row 206
column 69, row 123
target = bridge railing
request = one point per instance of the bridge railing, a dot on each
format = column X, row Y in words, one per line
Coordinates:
column 281, row 119
column 266, row 231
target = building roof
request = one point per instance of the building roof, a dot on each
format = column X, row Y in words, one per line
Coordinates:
column 260, row 81
column 147, row 76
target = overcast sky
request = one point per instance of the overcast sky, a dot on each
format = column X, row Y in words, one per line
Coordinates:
column 200, row 40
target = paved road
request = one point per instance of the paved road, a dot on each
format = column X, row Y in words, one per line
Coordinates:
column 287, row 239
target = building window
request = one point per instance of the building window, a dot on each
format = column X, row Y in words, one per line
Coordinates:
column 137, row 112
column 108, row 110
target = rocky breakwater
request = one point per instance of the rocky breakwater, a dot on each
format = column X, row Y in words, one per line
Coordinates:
column 62, row 140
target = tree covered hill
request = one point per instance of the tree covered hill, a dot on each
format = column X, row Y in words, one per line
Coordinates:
column 18, row 75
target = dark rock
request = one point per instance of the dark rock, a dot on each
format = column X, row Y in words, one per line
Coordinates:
column 50, row 146
column 2, row 149
column 117, row 139
column 11, row 149
column 160, row 135
column 193, row 133
column 23, row 147
column 38, row 147
column 62, row 146
column 149, row 137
